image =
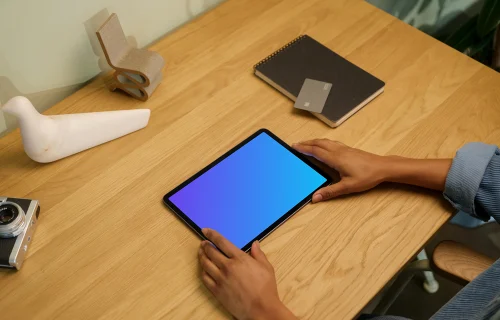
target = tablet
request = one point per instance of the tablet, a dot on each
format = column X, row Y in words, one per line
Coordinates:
column 249, row 191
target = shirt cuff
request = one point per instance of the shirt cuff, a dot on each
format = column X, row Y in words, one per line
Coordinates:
column 465, row 176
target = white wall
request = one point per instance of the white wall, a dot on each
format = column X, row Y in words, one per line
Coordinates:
column 46, row 51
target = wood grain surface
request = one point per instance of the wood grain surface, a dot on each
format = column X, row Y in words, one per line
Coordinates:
column 460, row 261
column 107, row 248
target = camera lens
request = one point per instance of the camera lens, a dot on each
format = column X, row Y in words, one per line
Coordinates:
column 12, row 220
column 8, row 213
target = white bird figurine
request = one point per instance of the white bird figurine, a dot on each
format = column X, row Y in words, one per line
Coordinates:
column 50, row 138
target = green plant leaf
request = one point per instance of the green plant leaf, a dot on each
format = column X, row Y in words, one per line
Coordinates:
column 489, row 16
column 403, row 8
column 424, row 5
column 465, row 36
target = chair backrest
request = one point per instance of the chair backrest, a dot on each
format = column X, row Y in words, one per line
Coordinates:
column 113, row 40
column 460, row 261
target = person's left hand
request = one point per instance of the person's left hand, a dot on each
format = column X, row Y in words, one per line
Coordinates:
column 244, row 284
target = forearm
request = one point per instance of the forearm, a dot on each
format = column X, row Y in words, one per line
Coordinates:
column 276, row 311
column 426, row 173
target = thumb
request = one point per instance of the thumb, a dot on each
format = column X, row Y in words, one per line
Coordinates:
column 258, row 254
column 330, row 192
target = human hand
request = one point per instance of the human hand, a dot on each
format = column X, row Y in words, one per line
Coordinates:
column 359, row 170
column 244, row 284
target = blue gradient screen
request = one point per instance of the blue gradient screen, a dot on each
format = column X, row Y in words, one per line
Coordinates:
column 248, row 191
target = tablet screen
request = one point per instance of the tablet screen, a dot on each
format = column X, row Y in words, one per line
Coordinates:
column 249, row 191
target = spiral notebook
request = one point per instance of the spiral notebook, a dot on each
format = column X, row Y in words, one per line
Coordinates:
column 304, row 58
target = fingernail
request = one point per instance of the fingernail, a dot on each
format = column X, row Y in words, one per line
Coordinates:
column 204, row 230
column 257, row 243
column 317, row 197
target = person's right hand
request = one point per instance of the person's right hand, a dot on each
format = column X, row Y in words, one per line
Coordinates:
column 359, row 170
column 244, row 284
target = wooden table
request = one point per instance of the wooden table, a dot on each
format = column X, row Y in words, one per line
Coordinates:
column 107, row 248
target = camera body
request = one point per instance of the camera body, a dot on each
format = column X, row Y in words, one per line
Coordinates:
column 18, row 220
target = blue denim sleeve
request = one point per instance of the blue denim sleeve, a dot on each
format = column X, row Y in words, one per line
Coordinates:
column 473, row 186
column 479, row 300
column 473, row 182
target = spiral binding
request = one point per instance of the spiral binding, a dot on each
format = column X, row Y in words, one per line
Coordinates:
column 288, row 45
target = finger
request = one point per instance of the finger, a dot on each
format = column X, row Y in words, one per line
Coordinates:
column 323, row 143
column 330, row 192
column 213, row 254
column 208, row 266
column 222, row 243
column 209, row 282
column 314, row 151
column 258, row 254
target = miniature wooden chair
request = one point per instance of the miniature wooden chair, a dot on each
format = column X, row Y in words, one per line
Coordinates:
column 137, row 71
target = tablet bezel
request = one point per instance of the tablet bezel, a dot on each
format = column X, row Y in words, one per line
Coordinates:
column 274, row 225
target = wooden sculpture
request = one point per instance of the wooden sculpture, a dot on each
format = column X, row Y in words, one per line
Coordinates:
column 50, row 138
column 137, row 71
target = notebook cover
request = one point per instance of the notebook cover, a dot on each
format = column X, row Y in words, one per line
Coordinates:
column 304, row 57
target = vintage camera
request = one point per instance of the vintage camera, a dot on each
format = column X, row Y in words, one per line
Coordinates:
column 18, row 220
